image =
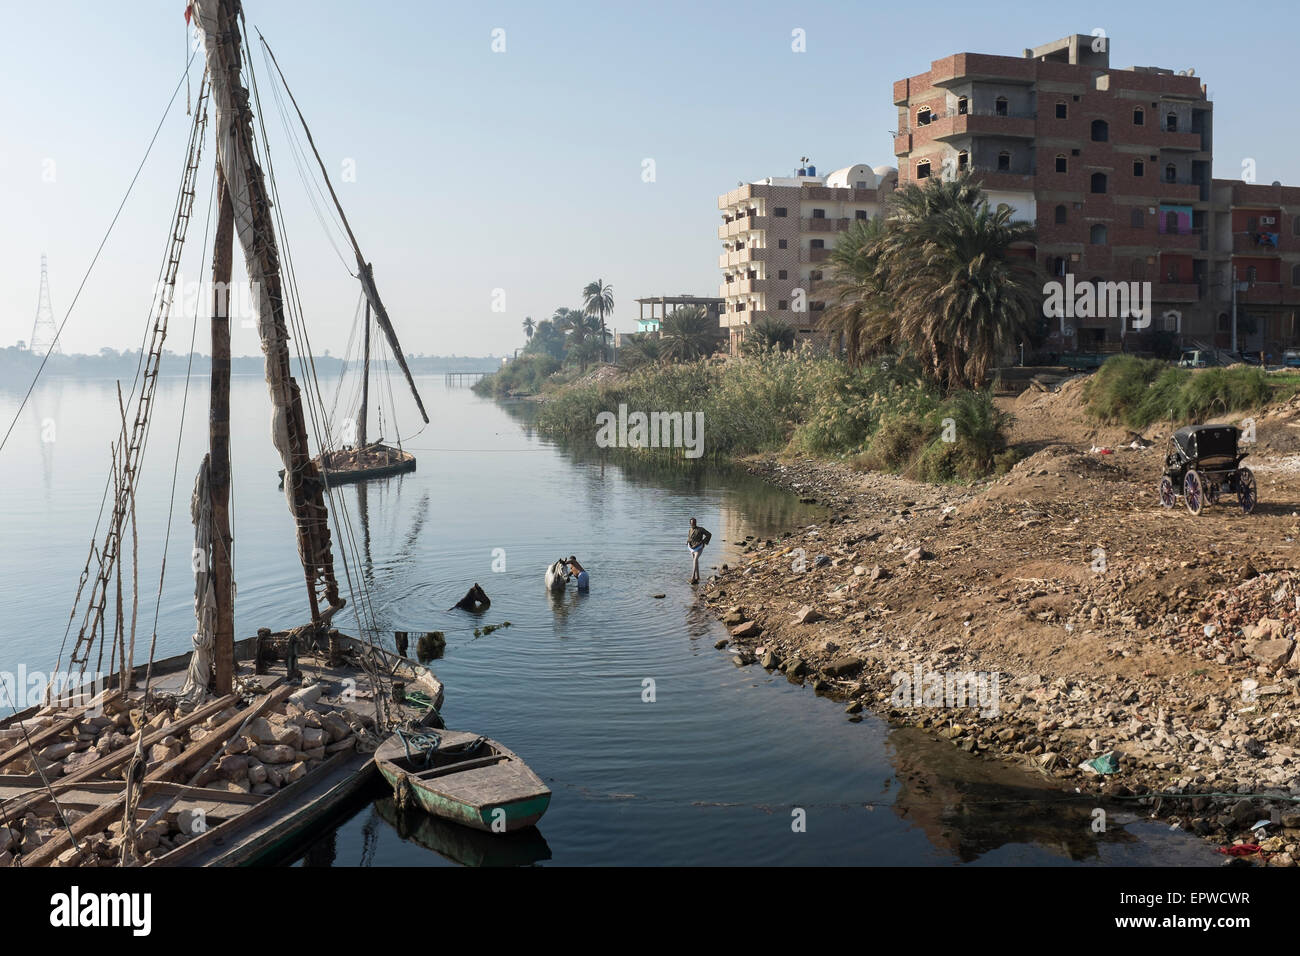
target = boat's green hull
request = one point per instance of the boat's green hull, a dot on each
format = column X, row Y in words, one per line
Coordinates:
column 492, row 818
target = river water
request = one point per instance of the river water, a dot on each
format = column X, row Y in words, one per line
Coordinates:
column 657, row 748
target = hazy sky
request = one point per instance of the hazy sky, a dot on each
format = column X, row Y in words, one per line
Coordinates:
column 520, row 170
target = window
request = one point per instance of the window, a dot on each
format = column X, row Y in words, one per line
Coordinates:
column 1251, row 274
column 860, row 214
column 1171, row 122
column 1000, row 106
column 1097, row 235
column 860, row 185
column 923, row 169
column 1136, row 219
column 1171, row 173
column 961, row 106
column 1137, row 270
column 779, row 212
column 963, row 162
column 1171, row 223
column 1139, row 116
column 1100, row 131
column 1139, row 167
column 1295, row 226
column 1004, row 161
column 1061, row 163
column 1058, row 266
column 1061, row 214
column 780, row 243
column 819, row 214
column 815, row 274
column 782, row 305
column 1295, row 275
column 1061, row 111
column 817, row 244
column 1098, row 182
column 1252, row 224
column 923, row 116
column 780, row 274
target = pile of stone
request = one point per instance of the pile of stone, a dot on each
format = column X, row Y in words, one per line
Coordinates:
column 270, row 751
column 1257, row 619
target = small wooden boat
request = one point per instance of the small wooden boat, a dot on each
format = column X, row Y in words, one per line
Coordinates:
column 463, row 777
column 375, row 460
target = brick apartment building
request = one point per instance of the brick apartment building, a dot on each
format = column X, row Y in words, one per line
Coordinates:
column 1114, row 166
column 777, row 234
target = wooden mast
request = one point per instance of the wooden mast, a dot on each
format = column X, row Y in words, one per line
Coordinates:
column 365, row 385
column 254, row 226
column 223, row 642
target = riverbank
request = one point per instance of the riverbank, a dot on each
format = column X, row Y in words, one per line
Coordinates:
column 1155, row 647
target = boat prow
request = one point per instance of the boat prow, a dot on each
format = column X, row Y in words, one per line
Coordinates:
column 462, row 777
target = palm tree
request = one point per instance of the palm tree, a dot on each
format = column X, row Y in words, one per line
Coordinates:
column 687, row 334
column 599, row 301
column 961, row 297
column 580, row 328
column 529, row 327
column 768, row 334
column 860, row 315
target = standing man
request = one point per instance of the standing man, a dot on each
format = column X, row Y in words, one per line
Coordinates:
column 696, row 539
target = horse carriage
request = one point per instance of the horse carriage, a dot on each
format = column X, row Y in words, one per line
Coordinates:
column 1203, row 465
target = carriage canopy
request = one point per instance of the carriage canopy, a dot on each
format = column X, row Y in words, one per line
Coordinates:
column 1207, row 441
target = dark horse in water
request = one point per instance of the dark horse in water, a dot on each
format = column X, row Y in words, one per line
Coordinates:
column 475, row 599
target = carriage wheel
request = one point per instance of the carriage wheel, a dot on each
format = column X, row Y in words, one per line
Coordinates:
column 1246, row 494
column 1166, row 492
column 1193, row 491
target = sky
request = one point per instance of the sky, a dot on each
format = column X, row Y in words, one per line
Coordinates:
column 489, row 185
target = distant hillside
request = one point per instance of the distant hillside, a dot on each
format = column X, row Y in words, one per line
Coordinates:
column 17, row 366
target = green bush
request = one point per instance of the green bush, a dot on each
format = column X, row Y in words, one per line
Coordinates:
column 884, row 416
column 1137, row 392
column 524, row 375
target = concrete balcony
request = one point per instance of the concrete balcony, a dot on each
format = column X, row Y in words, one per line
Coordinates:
column 1181, row 141
column 740, row 286
column 1245, row 243
column 732, row 259
column 1191, row 240
column 998, row 179
column 729, row 230
column 957, row 125
column 814, row 255
column 902, row 144
column 1263, row 293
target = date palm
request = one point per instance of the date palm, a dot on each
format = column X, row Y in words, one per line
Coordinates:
column 599, row 301
column 961, row 294
column 687, row 334
column 529, row 328
column 641, row 350
column 768, row 334
column 859, row 316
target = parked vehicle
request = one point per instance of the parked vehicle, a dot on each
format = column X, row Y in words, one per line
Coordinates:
column 1204, row 464
column 1197, row 358
column 1291, row 358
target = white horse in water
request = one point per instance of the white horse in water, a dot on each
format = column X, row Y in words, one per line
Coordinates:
column 557, row 576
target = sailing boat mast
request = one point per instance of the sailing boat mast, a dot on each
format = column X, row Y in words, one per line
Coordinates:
column 365, row 385
column 223, row 638
column 217, row 21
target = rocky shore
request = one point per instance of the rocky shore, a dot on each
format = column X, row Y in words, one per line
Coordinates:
column 1056, row 617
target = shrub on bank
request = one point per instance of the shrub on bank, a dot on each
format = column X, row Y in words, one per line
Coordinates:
column 884, row 416
column 524, row 375
column 1137, row 392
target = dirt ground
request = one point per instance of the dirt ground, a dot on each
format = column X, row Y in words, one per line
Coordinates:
column 1099, row 624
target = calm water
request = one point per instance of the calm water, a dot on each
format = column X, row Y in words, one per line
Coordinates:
column 709, row 772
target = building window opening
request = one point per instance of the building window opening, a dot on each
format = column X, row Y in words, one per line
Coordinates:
column 1097, row 235
column 1062, row 164
column 961, row 106
column 1004, row 161
column 1139, row 116
column 1171, row 123
column 1000, row 106
column 1139, row 167
column 1061, row 110
column 1098, row 184
column 923, row 169
column 923, row 116
column 1171, row 173
column 1136, row 219
column 963, row 162
column 1100, row 131
column 1060, row 215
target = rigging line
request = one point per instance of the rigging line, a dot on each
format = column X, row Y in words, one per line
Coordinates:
column 293, row 304
column 298, row 154
column 99, row 250
column 180, row 432
column 155, row 309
